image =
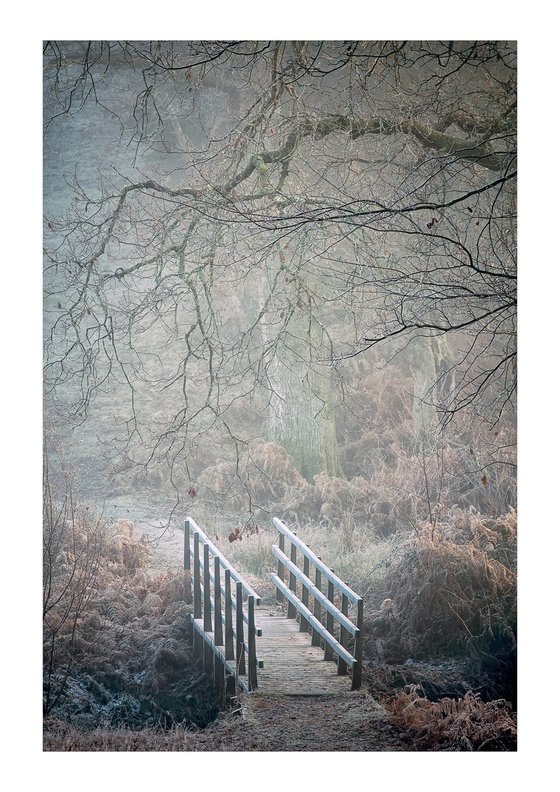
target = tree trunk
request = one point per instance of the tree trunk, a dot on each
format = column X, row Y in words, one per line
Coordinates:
column 434, row 383
column 423, row 367
column 301, row 411
column 301, row 415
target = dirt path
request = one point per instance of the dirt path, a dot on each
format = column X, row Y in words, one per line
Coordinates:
column 165, row 542
column 351, row 722
column 261, row 723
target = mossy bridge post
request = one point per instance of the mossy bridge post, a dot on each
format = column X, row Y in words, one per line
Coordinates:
column 307, row 642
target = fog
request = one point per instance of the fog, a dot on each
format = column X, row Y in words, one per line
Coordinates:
column 280, row 280
column 206, row 326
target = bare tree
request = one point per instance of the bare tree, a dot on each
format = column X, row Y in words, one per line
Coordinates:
column 288, row 206
column 73, row 540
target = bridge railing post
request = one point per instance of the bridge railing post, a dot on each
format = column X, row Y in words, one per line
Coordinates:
column 358, row 646
column 187, row 578
column 303, row 623
column 208, row 657
column 251, row 638
column 187, row 546
column 228, row 627
column 240, row 641
column 228, row 608
column 344, row 637
column 329, row 654
column 293, row 558
column 315, row 637
column 280, row 571
column 218, row 618
column 197, row 594
column 207, row 593
column 197, row 598
column 219, row 668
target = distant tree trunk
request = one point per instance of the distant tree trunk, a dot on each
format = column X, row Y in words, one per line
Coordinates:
column 301, row 414
column 423, row 367
column 433, row 377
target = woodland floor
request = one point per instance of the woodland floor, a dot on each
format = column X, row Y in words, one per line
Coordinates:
column 259, row 722
column 356, row 721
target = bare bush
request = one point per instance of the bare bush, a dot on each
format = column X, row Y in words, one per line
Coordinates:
column 466, row 724
column 115, row 638
column 444, row 596
column 264, row 476
column 73, row 542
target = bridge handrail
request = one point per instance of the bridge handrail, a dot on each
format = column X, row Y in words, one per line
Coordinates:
column 213, row 624
column 316, row 593
column 316, row 561
column 309, row 619
column 192, row 527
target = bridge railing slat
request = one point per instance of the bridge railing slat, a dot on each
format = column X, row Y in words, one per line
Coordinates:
column 316, row 624
column 326, row 601
column 320, row 633
column 225, row 653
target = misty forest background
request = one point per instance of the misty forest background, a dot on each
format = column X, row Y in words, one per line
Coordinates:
column 280, row 279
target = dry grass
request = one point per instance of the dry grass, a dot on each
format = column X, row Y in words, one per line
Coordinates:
column 465, row 724
column 262, row 477
column 252, row 554
column 444, row 597
column 355, row 722
column 125, row 658
column 63, row 736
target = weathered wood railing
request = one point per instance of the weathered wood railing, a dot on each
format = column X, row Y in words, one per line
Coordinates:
column 219, row 617
column 350, row 630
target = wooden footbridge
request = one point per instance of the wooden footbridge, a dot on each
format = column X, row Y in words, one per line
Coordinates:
column 308, row 642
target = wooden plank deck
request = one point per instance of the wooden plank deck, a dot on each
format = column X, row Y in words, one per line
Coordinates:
column 292, row 667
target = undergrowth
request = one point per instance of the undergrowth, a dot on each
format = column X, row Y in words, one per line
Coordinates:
column 116, row 648
column 462, row 724
column 449, row 594
column 427, row 535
